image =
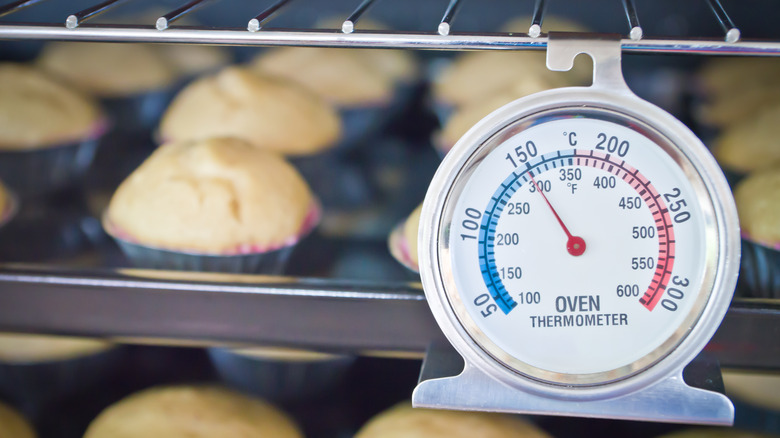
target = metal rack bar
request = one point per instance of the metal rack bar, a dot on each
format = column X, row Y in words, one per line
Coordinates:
column 449, row 15
column 732, row 32
column 635, row 29
column 17, row 6
column 166, row 20
column 349, row 24
column 257, row 23
column 74, row 20
column 536, row 22
column 368, row 39
column 208, row 309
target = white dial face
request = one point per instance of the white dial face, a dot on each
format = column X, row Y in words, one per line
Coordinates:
column 579, row 249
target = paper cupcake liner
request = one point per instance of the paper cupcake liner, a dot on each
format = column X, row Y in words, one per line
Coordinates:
column 339, row 182
column 271, row 262
column 43, row 170
column 759, row 272
column 279, row 380
column 33, row 385
column 139, row 112
column 399, row 248
column 245, row 259
column 359, row 123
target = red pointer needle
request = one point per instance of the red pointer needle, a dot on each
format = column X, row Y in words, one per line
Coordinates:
column 575, row 245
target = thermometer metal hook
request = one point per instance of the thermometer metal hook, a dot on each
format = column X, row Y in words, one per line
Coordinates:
column 575, row 245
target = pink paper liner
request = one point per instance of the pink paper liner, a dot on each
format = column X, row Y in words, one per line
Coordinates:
column 311, row 220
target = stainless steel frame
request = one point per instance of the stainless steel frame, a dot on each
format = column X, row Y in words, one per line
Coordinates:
column 489, row 381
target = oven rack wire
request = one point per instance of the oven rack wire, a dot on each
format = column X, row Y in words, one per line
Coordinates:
column 441, row 36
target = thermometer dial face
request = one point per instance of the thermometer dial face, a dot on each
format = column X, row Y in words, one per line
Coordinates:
column 581, row 246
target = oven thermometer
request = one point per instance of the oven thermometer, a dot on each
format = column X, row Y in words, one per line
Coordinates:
column 579, row 247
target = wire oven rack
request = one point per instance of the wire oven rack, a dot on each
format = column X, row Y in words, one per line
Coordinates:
column 322, row 314
column 76, row 27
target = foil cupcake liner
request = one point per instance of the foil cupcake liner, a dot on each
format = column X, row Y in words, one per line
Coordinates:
column 43, row 170
column 283, row 381
column 270, row 262
column 140, row 112
column 339, row 182
column 250, row 260
column 359, row 123
column 33, row 385
column 759, row 272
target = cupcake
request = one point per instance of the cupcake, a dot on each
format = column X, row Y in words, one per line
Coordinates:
column 367, row 86
column 133, row 81
column 218, row 204
column 474, row 76
column 48, row 132
column 750, row 145
column 756, row 388
column 733, row 90
column 403, row 241
column 758, row 206
column 403, row 421
column 280, row 374
column 269, row 113
column 13, row 425
column 36, row 369
column 467, row 115
column 191, row 412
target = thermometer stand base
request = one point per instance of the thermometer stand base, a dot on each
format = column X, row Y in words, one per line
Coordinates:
column 670, row 400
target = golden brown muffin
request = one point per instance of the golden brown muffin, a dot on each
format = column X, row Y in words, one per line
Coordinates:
column 344, row 77
column 758, row 205
column 37, row 111
column 216, row 196
column 13, row 425
column 268, row 112
column 109, row 69
column 191, row 412
column 752, row 144
column 24, row 348
column 402, row 421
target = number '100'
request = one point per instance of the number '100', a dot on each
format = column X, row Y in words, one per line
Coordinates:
column 471, row 224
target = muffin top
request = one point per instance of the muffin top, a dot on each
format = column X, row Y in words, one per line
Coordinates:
column 270, row 113
column 730, row 76
column 758, row 205
column 13, row 425
column 411, row 229
column 37, row 111
column 193, row 59
column 215, row 196
column 402, row 421
column 191, row 412
column 751, row 144
column 109, row 69
column 475, row 76
column 24, row 348
column 468, row 114
column 344, row 77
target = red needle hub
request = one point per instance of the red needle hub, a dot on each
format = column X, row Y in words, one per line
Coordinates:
column 575, row 245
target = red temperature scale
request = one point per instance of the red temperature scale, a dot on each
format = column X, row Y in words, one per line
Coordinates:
column 578, row 248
